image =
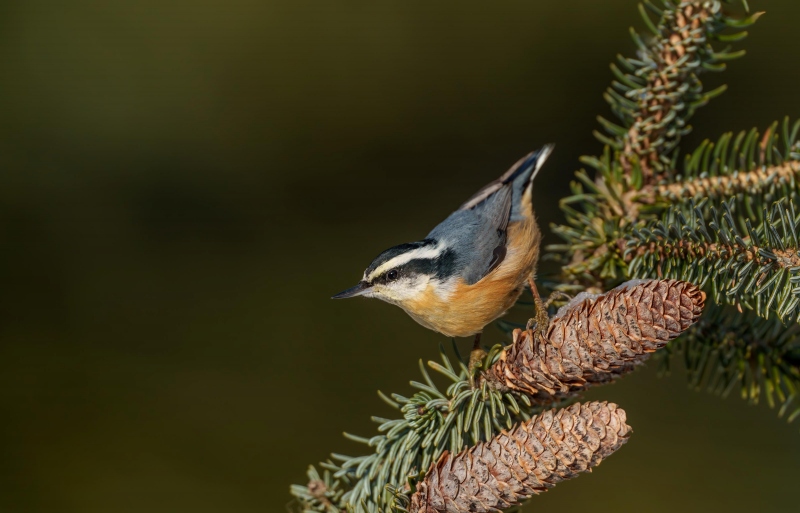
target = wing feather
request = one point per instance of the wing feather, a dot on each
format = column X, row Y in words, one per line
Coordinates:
column 534, row 160
column 488, row 248
column 479, row 227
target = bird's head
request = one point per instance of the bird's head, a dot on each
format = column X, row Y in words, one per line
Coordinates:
column 403, row 273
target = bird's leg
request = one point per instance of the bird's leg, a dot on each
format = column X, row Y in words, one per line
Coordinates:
column 540, row 320
column 476, row 357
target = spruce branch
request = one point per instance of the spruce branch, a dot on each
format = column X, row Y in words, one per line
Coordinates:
column 755, row 267
column 657, row 92
column 527, row 460
column 591, row 341
column 758, row 166
column 595, row 339
column 748, row 172
column 727, row 185
column 654, row 96
column 433, row 420
column 725, row 223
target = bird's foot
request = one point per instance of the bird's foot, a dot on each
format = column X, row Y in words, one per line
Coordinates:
column 540, row 321
column 555, row 296
column 476, row 358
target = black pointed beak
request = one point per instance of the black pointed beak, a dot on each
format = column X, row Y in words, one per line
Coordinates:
column 358, row 290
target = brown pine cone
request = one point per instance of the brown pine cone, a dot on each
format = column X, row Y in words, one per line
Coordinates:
column 596, row 339
column 529, row 459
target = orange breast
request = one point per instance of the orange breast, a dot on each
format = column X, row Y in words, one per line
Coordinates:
column 467, row 309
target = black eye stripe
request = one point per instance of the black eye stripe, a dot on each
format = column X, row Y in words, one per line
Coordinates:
column 442, row 267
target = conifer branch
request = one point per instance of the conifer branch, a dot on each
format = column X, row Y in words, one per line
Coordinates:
column 654, row 98
column 750, row 170
column 657, row 92
column 759, row 166
column 434, row 419
column 525, row 461
column 725, row 185
column 726, row 222
column 592, row 341
column 756, row 267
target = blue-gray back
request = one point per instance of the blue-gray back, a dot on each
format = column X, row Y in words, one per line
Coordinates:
column 477, row 231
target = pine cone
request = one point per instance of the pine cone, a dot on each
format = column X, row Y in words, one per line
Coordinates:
column 596, row 339
column 529, row 459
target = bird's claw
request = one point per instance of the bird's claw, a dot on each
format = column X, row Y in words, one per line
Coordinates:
column 539, row 322
column 555, row 296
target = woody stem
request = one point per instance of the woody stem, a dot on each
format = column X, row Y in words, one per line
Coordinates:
column 476, row 357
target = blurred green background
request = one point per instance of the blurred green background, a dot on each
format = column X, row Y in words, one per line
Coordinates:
column 185, row 184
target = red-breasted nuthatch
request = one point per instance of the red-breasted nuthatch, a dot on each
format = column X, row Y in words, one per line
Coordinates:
column 473, row 266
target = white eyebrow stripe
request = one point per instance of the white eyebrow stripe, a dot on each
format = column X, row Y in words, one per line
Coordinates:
column 426, row 252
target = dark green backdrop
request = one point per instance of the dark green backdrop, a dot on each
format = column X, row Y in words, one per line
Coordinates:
column 184, row 185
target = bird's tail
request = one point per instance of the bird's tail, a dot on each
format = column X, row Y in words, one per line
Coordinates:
column 522, row 179
column 520, row 176
column 526, row 168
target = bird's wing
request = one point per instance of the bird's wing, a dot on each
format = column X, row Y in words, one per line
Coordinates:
column 485, row 244
column 498, row 220
column 477, row 230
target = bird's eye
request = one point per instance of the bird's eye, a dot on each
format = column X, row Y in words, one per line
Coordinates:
column 391, row 275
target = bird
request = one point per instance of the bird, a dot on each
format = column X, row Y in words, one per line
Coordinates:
column 473, row 266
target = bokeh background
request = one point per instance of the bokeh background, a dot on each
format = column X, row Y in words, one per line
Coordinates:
column 185, row 184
